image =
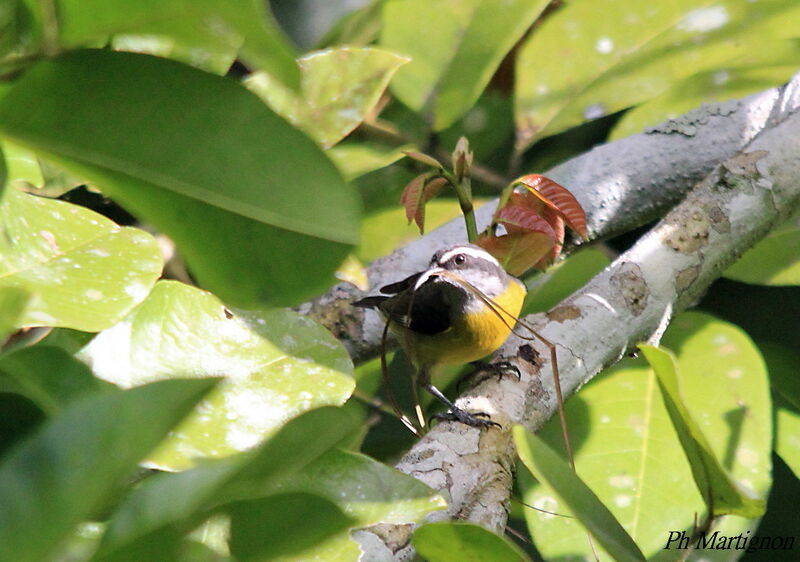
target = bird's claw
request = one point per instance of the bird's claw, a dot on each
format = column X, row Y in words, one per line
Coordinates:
column 487, row 370
column 470, row 419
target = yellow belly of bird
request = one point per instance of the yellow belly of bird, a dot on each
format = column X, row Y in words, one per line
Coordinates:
column 474, row 335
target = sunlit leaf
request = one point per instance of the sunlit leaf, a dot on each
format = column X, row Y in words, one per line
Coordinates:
column 217, row 61
column 22, row 165
column 722, row 494
column 364, row 489
column 784, row 364
column 13, row 301
column 455, row 47
column 277, row 364
column 775, row 260
column 356, row 159
column 168, row 505
column 768, row 64
column 338, row 89
column 81, row 269
column 627, row 451
column 59, row 476
column 241, row 205
column 582, row 502
column 590, row 59
column 282, row 525
column 560, row 281
column 217, row 28
column 439, row 542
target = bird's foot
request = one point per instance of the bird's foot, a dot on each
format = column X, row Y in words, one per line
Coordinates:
column 478, row 419
column 483, row 371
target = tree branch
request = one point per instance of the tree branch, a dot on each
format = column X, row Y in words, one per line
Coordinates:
column 621, row 185
column 632, row 300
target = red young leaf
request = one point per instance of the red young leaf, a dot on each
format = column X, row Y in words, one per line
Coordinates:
column 411, row 198
column 517, row 252
column 558, row 198
column 416, row 194
column 521, row 219
column 553, row 218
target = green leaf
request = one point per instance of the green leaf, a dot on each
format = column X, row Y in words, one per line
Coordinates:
column 784, row 364
column 218, row 28
column 548, row 467
column 62, row 474
column 723, row 495
column 627, row 450
column 338, row 88
column 48, row 376
column 277, row 364
column 247, row 206
column 775, row 260
column 444, row 541
column 455, row 47
column 772, row 63
column 633, row 53
column 169, row 505
column 366, row 490
column 13, row 302
column 357, row 159
column 22, row 165
column 82, row 270
column 216, row 62
column 561, row 280
column 282, row 525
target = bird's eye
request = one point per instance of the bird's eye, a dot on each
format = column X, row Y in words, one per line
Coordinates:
column 460, row 259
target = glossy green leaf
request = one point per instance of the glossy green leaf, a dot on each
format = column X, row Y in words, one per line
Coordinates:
column 455, row 47
column 582, row 502
column 168, row 505
column 770, row 64
column 216, row 61
column 48, row 376
column 723, row 495
column 339, row 87
column 82, row 270
column 356, row 159
column 282, row 525
column 628, row 452
column 13, row 302
column 775, row 260
column 277, row 364
column 591, row 59
column 784, row 365
column 368, row 491
column 444, row 541
column 22, row 165
column 561, row 280
column 248, row 206
column 58, row 477
column 206, row 25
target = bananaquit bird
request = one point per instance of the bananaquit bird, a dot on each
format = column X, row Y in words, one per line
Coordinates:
column 459, row 310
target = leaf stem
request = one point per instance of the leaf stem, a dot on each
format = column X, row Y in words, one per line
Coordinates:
column 463, row 191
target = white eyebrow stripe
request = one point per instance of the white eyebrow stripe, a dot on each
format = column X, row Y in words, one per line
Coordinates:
column 474, row 252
